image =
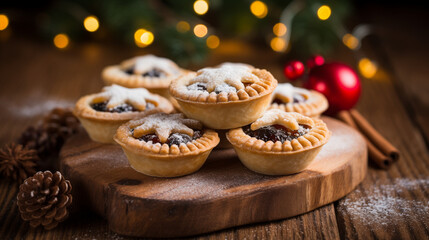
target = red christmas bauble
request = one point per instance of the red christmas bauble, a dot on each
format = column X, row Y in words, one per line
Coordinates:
column 338, row 82
column 315, row 61
column 293, row 70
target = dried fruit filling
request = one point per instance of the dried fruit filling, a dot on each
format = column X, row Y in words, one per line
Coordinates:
column 102, row 107
column 276, row 133
column 173, row 139
column 154, row 73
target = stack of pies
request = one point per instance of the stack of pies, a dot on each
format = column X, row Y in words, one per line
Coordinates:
column 274, row 128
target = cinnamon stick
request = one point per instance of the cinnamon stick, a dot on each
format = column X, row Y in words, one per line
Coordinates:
column 374, row 136
column 375, row 155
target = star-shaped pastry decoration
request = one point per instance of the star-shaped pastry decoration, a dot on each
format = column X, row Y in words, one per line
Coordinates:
column 117, row 95
column 149, row 62
column 163, row 125
column 286, row 91
column 290, row 120
column 230, row 75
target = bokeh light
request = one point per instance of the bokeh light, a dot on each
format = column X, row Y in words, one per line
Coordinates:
column 4, row 22
column 279, row 29
column 200, row 30
column 278, row 44
column 324, row 12
column 350, row 41
column 147, row 38
column 61, row 41
column 183, row 26
column 213, row 42
column 201, row 7
column 259, row 9
column 143, row 37
column 91, row 23
column 367, row 68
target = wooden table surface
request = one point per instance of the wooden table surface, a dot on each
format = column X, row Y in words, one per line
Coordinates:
column 35, row 77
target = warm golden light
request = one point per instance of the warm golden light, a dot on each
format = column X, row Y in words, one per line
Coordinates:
column 350, row 41
column 201, row 7
column 200, row 30
column 183, row 26
column 143, row 37
column 259, row 9
column 61, row 40
column 147, row 38
column 279, row 29
column 367, row 68
column 91, row 23
column 138, row 34
column 213, row 42
column 278, row 44
column 324, row 12
column 4, row 22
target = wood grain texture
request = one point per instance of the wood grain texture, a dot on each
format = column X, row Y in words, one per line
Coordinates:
column 393, row 204
column 405, row 59
column 36, row 77
column 58, row 78
column 139, row 205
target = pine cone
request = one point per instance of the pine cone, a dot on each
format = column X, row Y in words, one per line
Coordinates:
column 62, row 122
column 43, row 199
column 17, row 162
column 49, row 136
column 41, row 140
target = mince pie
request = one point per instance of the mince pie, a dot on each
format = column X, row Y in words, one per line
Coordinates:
column 224, row 97
column 102, row 113
column 279, row 143
column 166, row 145
column 293, row 99
column 148, row 71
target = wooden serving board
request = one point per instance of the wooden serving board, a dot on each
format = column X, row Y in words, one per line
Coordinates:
column 222, row 194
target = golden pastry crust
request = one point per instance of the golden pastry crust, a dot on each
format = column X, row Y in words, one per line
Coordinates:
column 162, row 160
column 314, row 105
column 125, row 138
column 101, row 126
column 83, row 109
column 226, row 110
column 317, row 136
column 116, row 75
column 263, row 85
column 277, row 158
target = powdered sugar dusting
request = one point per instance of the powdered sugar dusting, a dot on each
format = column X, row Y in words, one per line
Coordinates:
column 289, row 120
column 389, row 204
column 286, row 91
column 118, row 95
column 195, row 90
column 146, row 63
column 197, row 87
column 233, row 76
column 210, row 184
column 35, row 107
column 233, row 64
column 164, row 124
column 225, row 88
column 179, row 137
